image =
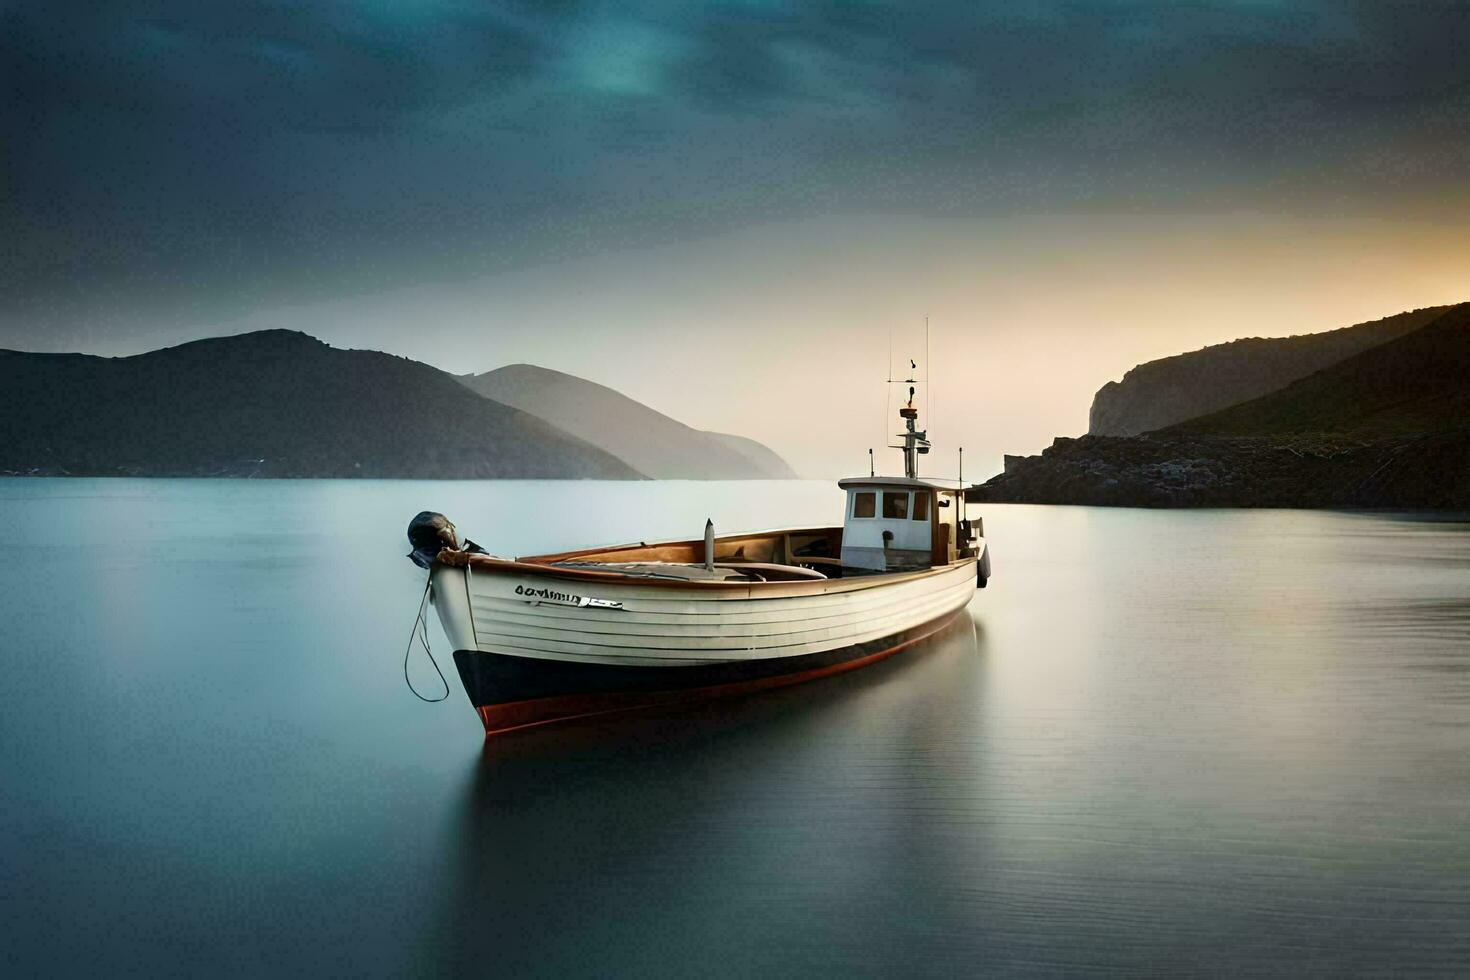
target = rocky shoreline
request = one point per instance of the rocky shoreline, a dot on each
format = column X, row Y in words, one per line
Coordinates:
column 1172, row 469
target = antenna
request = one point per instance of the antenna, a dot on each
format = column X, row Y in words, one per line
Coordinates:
column 962, row 466
column 928, row 388
column 915, row 441
column 871, row 471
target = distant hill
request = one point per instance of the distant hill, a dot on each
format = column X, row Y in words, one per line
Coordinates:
column 651, row 442
column 1387, row 427
column 1416, row 384
column 1161, row 393
column 762, row 459
column 274, row 404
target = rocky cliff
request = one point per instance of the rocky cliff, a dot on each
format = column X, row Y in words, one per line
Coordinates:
column 1161, row 393
column 1387, row 427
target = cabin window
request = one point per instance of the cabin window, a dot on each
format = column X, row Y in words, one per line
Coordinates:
column 895, row 505
column 921, row 506
column 862, row 504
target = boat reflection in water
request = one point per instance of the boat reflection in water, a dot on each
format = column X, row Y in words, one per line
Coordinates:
column 675, row 836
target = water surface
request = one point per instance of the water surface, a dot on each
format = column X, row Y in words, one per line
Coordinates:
column 1210, row 742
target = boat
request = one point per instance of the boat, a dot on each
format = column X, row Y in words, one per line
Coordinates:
column 547, row 638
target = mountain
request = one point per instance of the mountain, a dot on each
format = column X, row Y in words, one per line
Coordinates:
column 1418, row 383
column 1387, row 427
column 649, row 441
column 274, row 403
column 1160, row 393
column 763, row 459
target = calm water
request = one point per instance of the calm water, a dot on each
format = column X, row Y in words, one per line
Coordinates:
column 1216, row 742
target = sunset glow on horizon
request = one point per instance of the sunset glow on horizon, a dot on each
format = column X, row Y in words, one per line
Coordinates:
column 652, row 196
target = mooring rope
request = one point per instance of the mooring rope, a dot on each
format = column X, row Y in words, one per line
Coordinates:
column 421, row 634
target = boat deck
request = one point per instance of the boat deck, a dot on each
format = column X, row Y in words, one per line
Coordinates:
column 816, row 548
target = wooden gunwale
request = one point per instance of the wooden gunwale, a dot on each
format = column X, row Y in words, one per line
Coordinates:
column 485, row 563
column 540, row 566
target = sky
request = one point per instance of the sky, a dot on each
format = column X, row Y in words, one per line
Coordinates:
column 727, row 210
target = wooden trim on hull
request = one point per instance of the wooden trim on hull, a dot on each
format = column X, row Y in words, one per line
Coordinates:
column 645, row 687
column 590, row 575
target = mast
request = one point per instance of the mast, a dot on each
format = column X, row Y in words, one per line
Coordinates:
column 915, row 440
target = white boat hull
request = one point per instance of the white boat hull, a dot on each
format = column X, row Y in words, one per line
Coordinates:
column 659, row 627
column 533, row 647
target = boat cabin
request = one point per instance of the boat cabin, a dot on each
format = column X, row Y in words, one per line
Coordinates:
column 895, row 524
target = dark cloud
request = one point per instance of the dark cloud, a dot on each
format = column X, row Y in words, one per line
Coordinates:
column 188, row 159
